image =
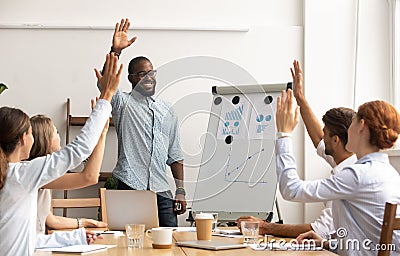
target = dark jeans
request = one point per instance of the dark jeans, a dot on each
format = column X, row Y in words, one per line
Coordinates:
column 165, row 204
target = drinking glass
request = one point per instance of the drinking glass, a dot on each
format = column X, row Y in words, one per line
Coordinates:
column 250, row 231
column 135, row 235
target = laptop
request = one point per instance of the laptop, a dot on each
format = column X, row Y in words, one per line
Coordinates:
column 131, row 207
column 211, row 245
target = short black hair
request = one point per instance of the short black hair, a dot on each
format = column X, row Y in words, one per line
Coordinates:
column 135, row 61
column 338, row 121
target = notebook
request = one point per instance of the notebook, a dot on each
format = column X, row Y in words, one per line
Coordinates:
column 131, row 207
column 211, row 245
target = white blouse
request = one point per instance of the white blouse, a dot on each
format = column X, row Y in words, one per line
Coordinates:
column 18, row 198
column 43, row 209
column 358, row 193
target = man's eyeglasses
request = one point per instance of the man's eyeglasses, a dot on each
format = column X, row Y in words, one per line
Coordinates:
column 150, row 73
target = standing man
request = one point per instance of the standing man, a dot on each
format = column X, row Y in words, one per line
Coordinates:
column 330, row 142
column 148, row 136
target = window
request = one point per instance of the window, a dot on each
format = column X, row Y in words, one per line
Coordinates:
column 394, row 15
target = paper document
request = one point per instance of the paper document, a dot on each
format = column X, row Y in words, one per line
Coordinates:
column 91, row 248
column 230, row 231
column 185, row 229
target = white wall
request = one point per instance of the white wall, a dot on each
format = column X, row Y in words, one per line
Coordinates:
column 394, row 158
column 339, row 69
column 153, row 12
column 42, row 67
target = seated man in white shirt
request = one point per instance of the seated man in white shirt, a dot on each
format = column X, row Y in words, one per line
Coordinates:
column 330, row 142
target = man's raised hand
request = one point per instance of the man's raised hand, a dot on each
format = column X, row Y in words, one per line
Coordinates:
column 120, row 38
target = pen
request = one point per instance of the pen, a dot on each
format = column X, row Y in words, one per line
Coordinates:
column 104, row 232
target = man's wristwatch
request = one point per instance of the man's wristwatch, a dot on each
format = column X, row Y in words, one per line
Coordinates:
column 180, row 191
column 115, row 53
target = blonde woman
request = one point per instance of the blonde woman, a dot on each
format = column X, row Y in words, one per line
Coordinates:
column 20, row 180
column 47, row 141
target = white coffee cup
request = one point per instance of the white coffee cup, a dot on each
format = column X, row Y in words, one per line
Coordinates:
column 161, row 237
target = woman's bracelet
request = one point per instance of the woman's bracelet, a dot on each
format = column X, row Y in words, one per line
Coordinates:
column 79, row 221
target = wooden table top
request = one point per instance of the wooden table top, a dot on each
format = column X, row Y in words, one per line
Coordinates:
column 184, row 236
column 122, row 249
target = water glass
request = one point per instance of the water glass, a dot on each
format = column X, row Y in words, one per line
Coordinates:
column 135, row 235
column 250, row 231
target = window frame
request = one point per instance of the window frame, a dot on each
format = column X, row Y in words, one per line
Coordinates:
column 394, row 28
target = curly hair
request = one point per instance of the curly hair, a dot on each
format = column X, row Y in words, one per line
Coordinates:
column 383, row 122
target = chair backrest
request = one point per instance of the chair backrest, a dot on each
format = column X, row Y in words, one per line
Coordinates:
column 390, row 223
column 98, row 202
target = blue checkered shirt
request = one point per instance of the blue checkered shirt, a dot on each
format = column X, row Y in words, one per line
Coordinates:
column 148, row 140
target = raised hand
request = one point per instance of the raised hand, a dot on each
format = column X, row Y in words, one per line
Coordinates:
column 109, row 80
column 120, row 37
column 297, row 75
column 286, row 116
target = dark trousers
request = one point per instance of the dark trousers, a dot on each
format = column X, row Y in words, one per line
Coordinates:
column 165, row 205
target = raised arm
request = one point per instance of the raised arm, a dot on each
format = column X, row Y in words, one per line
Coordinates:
column 91, row 171
column 311, row 122
column 120, row 40
column 56, row 164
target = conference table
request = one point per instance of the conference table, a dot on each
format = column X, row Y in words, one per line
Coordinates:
column 121, row 248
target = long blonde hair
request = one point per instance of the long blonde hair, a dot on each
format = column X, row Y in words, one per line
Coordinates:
column 42, row 131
